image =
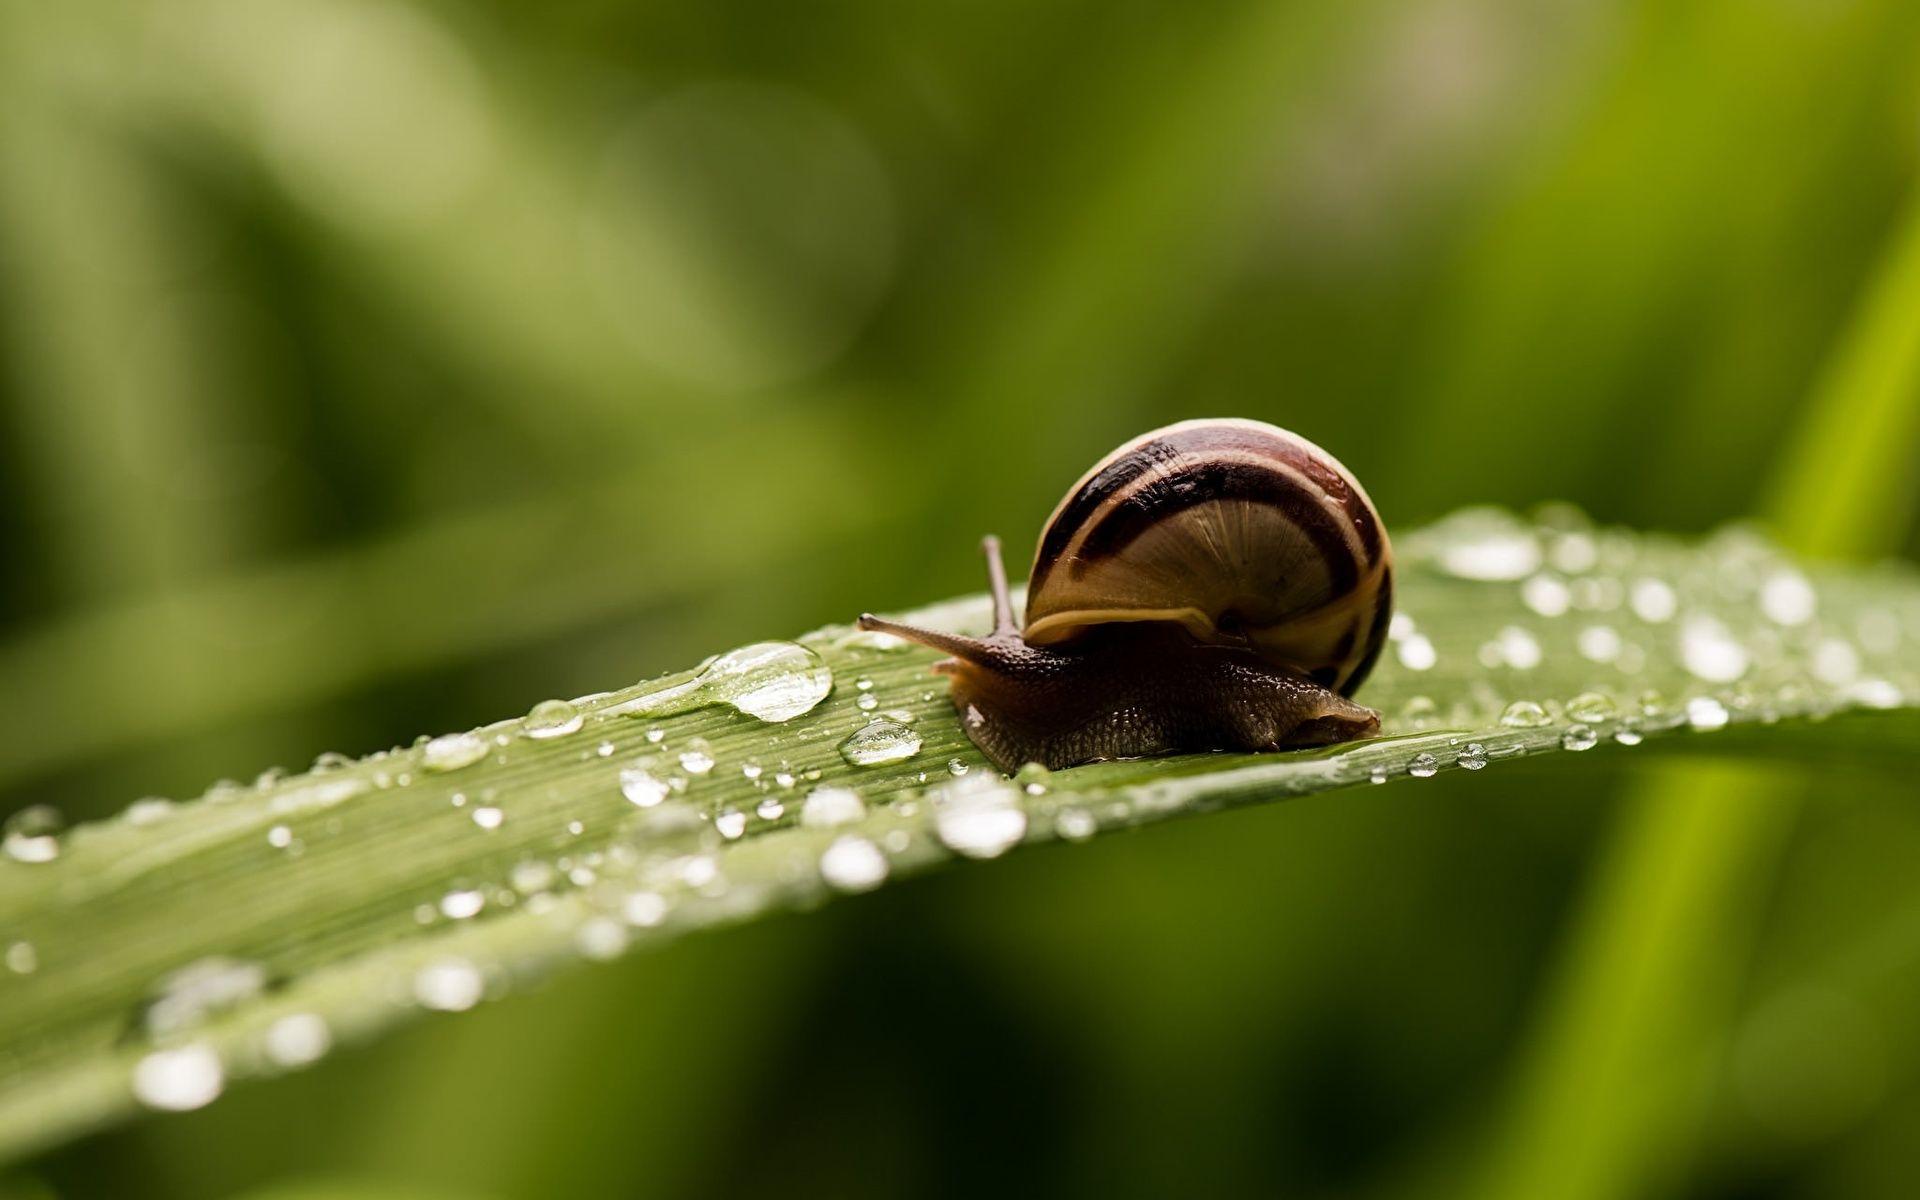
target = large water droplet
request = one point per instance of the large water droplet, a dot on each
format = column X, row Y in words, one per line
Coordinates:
column 853, row 864
column 880, row 742
column 1705, row 713
column 1423, row 766
column 1524, row 714
column 1710, row 651
column 448, row 985
column 451, row 751
column 1579, row 737
column 298, row 1039
column 181, row 1079
column 643, row 787
column 697, row 757
column 552, row 719
column 773, row 681
column 979, row 817
column 32, row 835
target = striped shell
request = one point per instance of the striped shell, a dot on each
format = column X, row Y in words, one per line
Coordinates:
column 1242, row 532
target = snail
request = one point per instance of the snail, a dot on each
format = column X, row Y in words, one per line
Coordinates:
column 1213, row 585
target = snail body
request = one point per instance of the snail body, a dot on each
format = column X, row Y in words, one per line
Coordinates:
column 1213, row 585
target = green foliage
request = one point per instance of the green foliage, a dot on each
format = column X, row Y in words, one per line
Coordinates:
column 162, row 953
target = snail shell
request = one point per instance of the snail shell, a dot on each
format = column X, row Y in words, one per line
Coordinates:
column 1239, row 531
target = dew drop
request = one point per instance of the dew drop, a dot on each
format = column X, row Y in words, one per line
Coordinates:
column 448, row 985
column 1627, row 735
column 1423, row 766
column 531, row 876
column 1579, row 737
column 853, row 864
column 1786, row 598
column 642, row 787
column 731, row 823
column 179, row 1080
column 1547, row 595
column 551, row 719
column 697, row 757
column 867, row 703
column 979, row 817
column 22, row 958
column 601, row 938
column 1416, row 652
column 298, row 1039
column 880, row 742
column 280, row 837
column 1705, row 713
column 1377, row 775
column 772, row 681
column 770, row 809
column 32, row 835
column 1474, row 757
column 460, row 904
column 1876, row 693
column 149, row 810
column 488, row 817
column 1599, row 643
column 1710, row 652
column 451, row 751
column 957, row 767
column 751, row 769
column 1524, row 714
column 1033, row 779
column 644, row 909
column 1075, row 824
column 1835, row 662
column 1488, row 544
column 1652, row 600
column 829, row 806
column 1591, row 706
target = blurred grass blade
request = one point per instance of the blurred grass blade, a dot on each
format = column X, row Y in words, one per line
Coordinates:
column 160, row 955
column 1598, row 1109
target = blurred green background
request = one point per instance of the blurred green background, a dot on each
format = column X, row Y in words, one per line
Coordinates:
column 371, row 368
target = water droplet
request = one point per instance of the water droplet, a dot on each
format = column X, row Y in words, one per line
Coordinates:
column 32, row 835
column 829, row 806
column 697, row 757
column 488, row 817
column 772, row 681
column 22, row 958
column 642, row 787
column 1423, row 766
column 451, row 751
column 644, row 909
column 531, row 876
column 551, row 719
column 770, row 809
column 1377, row 775
column 1787, row 598
column 1579, row 737
column 656, row 735
column 730, row 823
column 330, row 760
column 298, row 1039
column 448, row 985
column 1710, row 651
column 1033, row 779
column 1488, row 544
column 1518, row 648
column 751, row 769
column 604, row 750
column 979, row 817
column 179, row 1080
column 880, row 742
column 863, row 684
column 1599, row 643
column 1546, row 594
column 462, row 903
column 323, row 793
column 1835, row 662
column 1075, row 824
column 1705, row 713
column 1652, row 600
column 853, row 864
column 1474, row 757
column 1591, row 706
column 1524, row 714
column 1876, row 693
column 280, row 837
column 957, row 767
column 601, row 938
column 1416, row 653
column 1627, row 735
column 149, row 810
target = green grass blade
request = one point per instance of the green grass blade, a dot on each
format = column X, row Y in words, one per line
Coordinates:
column 325, row 907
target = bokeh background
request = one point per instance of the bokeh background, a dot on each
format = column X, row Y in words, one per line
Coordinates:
column 374, row 367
